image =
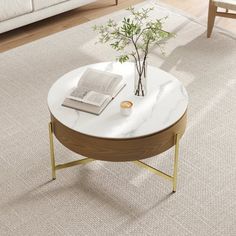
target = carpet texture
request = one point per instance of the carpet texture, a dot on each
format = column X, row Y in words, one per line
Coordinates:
column 105, row 198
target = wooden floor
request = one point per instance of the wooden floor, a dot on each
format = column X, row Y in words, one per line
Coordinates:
column 23, row 35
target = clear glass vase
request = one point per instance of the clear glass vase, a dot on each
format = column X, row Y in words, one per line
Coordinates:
column 140, row 80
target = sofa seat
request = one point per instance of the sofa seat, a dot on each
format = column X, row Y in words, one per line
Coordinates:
column 41, row 4
column 13, row 8
column 16, row 13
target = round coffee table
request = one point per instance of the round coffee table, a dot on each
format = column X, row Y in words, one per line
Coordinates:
column 156, row 124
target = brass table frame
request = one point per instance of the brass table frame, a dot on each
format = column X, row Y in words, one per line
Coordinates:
column 141, row 164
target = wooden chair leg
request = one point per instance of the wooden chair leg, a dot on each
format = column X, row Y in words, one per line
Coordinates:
column 211, row 18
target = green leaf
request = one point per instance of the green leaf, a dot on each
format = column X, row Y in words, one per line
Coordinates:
column 123, row 58
column 135, row 34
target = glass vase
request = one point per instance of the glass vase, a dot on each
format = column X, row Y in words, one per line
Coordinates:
column 140, row 80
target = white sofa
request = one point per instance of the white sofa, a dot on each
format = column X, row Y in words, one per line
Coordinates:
column 16, row 13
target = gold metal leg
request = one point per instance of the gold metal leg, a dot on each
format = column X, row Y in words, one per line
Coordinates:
column 64, row 165
column 52, row 151
column 177, row 137
column 173, row 178
column 73, row 163
column 153, row 170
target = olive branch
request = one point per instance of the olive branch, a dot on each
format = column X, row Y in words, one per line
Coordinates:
column 134, row 37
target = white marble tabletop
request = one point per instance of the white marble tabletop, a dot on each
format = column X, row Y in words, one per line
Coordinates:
column 165, row 103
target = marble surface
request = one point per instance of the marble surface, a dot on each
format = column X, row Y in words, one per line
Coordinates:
column 164, row 104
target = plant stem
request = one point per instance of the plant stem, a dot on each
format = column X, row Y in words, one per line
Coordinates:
column 137, row 51
column 139, row 88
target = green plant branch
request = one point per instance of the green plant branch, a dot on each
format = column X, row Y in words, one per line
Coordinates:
column 138, row 55
column 134, row 37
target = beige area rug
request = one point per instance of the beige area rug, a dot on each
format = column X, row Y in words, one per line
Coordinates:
column 104, row 198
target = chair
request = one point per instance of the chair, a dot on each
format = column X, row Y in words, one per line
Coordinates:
column 213, row 12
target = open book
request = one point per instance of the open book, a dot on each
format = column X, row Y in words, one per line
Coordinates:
column 94, row 91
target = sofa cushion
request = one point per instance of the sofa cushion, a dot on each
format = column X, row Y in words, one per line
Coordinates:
column 40, row 4
column 13, row 8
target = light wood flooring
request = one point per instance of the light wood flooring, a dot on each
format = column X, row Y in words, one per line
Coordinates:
column 23, row 35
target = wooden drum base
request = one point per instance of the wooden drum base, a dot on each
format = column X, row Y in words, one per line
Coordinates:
column 118, row 150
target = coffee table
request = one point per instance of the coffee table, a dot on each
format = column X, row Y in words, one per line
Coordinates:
column 157, row 122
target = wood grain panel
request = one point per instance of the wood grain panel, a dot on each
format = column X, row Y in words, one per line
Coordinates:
column 118, row 149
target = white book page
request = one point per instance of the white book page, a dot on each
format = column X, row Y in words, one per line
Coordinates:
column 94, row 98
column 100, row 81
column 89, row 97
column 78, row 94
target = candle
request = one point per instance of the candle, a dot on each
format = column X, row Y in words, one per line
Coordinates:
column 126, row 108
